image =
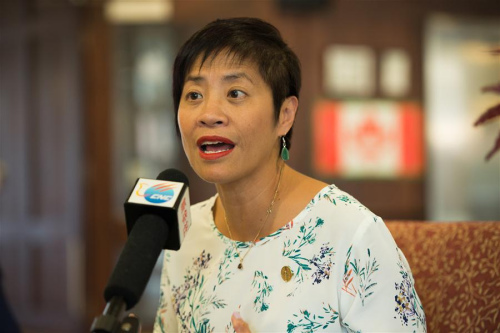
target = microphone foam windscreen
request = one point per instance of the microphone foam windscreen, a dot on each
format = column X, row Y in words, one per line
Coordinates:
column 137, row 260
column 173, row 175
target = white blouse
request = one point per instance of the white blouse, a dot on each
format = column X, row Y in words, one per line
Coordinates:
column 333, row 268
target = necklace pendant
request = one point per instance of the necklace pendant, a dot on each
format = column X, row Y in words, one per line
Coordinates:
column 240, row 266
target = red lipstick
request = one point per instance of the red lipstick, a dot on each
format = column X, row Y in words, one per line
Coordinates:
column 214, row 147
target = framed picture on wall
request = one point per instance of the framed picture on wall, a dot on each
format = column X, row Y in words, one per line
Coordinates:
column 349, row 70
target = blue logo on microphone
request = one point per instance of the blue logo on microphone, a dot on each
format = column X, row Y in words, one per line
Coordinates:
column 159, row 193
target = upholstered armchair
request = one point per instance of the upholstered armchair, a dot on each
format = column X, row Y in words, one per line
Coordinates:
column 456, row 267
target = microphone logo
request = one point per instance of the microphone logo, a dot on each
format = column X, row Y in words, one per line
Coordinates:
column 155, row 192
column 160, row 193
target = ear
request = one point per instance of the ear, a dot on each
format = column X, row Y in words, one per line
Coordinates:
column 287, row 114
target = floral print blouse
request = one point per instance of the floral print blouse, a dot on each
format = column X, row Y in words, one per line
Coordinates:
column 333, row 268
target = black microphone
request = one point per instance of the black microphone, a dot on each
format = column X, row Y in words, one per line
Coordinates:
column 158, row 217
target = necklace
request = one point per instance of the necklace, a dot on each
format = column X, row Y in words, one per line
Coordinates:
column 268, row 213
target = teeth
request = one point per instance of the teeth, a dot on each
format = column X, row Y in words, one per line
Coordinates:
column 215, row 152
column 205, row 144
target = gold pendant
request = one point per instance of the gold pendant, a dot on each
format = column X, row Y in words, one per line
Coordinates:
column 240, row 266
column 286, row 273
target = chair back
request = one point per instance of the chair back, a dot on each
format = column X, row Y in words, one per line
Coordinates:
column 456, row 267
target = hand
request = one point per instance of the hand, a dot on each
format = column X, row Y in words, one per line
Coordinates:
column 239, row 325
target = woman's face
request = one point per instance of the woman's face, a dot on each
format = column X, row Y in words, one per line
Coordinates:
column 226, row 120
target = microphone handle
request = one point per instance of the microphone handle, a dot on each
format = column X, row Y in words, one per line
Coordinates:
column 108, row 322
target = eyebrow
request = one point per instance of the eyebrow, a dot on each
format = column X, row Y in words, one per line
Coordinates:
column 225, row 78
column 237, row 76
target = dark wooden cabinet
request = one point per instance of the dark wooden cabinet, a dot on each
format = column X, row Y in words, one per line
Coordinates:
column 42, row 248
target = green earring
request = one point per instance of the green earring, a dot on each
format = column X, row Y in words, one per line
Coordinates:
column 285, row 155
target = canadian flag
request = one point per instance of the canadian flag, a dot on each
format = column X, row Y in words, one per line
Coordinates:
column 362, row 139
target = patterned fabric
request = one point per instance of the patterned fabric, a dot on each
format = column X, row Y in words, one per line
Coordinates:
column 457, row 272
column 348, row 275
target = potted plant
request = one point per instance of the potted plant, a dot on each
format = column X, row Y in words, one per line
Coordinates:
column 491, row 113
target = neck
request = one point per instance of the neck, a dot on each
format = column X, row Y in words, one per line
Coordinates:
column 245, row 204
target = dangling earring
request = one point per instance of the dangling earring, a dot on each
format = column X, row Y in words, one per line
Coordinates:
column 285, row 155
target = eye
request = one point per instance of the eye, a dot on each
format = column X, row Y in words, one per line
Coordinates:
column 193, row 95
column 236, row 94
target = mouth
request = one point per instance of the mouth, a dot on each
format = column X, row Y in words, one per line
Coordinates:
column 214, row 146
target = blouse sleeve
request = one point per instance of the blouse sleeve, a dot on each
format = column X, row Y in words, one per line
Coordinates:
column 165, row 320
column 378, row 292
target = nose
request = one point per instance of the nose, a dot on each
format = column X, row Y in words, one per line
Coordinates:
column 212, row 113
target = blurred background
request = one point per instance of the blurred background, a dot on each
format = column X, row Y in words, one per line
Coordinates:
column 391, row 90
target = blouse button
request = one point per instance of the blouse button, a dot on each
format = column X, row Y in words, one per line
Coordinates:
column 286, row 273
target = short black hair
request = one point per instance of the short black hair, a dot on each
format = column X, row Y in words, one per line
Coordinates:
column 244, row 39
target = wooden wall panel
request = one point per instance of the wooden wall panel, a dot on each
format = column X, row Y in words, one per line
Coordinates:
column 102, row 237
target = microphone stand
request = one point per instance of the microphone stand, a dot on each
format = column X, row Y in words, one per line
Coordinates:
column 109, row 321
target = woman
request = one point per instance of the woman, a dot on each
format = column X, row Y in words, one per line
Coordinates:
column 274, row 250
